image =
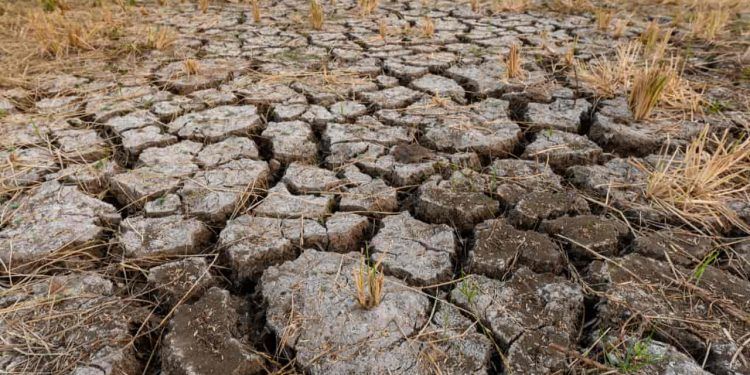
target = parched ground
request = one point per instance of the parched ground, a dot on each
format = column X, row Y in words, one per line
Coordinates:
column 538, row 187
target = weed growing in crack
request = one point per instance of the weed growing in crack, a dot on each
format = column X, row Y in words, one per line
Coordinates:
column 256, row 11
column 469, row 289
column 428, row 27
column 603, row 19
column 368, row 283
column 648, row 85
column 701, row 268
column 513, row 67
column 191, row 67
column 366, row 7
column 634, row 356
column 316, row 15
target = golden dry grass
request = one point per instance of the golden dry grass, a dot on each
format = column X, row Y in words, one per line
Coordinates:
column 608, row 77
column 317, row 16
column 368, row 284
column 646, row 91
column 428, row 27
column 256, row 10
column 699, row 183
column 513, row 64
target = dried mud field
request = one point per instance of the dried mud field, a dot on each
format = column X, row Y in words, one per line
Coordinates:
column 374, row 187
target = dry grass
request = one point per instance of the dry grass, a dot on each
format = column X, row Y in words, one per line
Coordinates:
column 571, row 6
column 607, row 77
column 603, row 18
column 203, row 6
column 383, row 29
column 647, row 89
column 511, row 5
column 368, row 282
column 474, row 5
column 366, row 7
column 159, row 38
column 256, row 11
column 317, row 17
column 428, row 27
column 698, row 184
column 709, row 24
column 513, row 64
column 619, row 29
column 191, row 67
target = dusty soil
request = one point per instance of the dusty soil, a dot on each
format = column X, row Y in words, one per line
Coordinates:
column 194, row 187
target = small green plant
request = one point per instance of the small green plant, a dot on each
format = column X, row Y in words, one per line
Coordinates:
column 701, row 268
column 469, row 289
column 634, row 356
column 49, row 5
column 3, row 113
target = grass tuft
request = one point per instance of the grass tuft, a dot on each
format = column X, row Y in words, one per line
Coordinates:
column 191, row 67
column 709, row 25
column 428, row 27
column 316, row 15
column 513, row 67
column 699, row 184
column 647, row 89
column 368, row 282
column 256, row 11
column 603, row 19
column 203, row 6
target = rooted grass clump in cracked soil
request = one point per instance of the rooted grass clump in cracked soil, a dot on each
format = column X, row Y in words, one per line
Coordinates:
column 374, row 187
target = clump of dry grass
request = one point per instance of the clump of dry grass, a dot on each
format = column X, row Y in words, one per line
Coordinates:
column 570, row 6
column 709, row 24
column 603, row 18
column 383, row 29
column 513, row 64
column 203, row 5
column 428, row 27
column 368, row 282
column 256, row 11
column 647, row 89
column 366, row 7
column 474, row 5
column 607, row 77
column 511, row 5
column 698, row 184
column 317, row 17
column 158, row 38
column 191, row 67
